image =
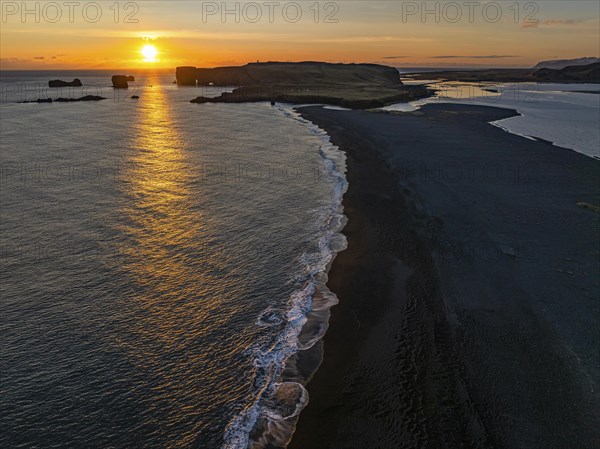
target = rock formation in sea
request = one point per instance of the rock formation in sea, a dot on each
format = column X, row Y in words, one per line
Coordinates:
column 85, row 98
column 60, row 83
column 121, row 81
column 66, row 100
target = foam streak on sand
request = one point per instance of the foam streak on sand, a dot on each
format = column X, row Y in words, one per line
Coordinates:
column 283, row 368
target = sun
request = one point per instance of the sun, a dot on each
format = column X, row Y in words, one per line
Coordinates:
column 149, row 52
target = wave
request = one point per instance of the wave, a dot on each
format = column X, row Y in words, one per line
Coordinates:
column 284, row 368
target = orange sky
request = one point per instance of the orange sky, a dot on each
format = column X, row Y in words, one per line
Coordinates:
column 48, row 35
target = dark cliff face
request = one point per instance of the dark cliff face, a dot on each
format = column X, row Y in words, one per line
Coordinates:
column 186, row 76
column 302, row 73
column 121, row 81
column 224, row 76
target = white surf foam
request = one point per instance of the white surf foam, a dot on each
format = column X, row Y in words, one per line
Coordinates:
column 272, row 416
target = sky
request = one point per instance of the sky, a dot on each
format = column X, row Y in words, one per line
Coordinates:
column 111, row 34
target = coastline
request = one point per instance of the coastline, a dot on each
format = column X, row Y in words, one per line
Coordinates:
column 270, row 420
column 428, row 347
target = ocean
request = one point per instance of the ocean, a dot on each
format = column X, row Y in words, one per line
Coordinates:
column 163, row 265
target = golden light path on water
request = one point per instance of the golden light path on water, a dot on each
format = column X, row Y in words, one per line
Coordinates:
column 175, row 272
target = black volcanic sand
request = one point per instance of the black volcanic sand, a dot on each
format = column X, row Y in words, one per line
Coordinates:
column 469, row 310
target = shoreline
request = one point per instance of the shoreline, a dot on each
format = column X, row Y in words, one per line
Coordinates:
column 274, row 415
column 409, row 359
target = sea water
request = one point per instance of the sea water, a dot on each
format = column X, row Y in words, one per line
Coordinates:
column 163, row 265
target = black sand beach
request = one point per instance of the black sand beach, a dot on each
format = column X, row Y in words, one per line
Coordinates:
column 469, row 310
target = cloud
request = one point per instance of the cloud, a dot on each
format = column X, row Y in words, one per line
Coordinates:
column 394, row 57
column 364, row 39
column 475, row 57
column 11, row 63
column 550, row 23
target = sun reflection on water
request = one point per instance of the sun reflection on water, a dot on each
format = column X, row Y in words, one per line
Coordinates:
column 173, row 269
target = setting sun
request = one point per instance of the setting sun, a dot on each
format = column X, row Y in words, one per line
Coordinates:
column 149, row 52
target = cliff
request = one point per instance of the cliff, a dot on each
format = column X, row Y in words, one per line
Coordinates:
column 358, row 86
column 299, row 73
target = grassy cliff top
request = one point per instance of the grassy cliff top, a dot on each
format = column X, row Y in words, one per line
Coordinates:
column 292, row 73
column 359, row 86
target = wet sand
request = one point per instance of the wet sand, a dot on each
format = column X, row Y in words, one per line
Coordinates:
column 468, row 313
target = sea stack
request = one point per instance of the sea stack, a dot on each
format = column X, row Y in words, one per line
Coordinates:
column 120, row 82
column 60, row 83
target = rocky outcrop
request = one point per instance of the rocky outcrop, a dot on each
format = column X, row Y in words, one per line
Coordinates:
column 60, row 83
column 121, row 81
column 86, row 98
column 66, row 100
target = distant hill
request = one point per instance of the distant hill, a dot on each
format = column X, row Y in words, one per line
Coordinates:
column 572, row 74
column 577, row 73
column 561, row 64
